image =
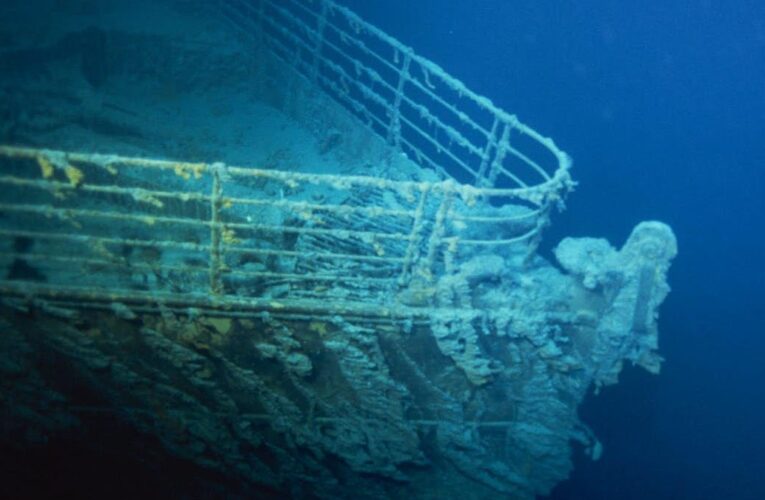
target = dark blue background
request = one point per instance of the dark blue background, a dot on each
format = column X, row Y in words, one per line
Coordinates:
column 662, row 105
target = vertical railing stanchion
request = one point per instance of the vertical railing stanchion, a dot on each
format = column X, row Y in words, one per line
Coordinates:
column 215, row 232
column 427, row 266
column 415, row 240
column 394, row 127
column 499, row 157
column 480, row 178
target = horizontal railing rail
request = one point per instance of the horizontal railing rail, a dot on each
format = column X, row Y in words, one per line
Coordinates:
column 401, row 96
column 232, row 235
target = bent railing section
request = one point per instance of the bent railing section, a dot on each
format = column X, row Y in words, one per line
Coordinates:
column 399, row 95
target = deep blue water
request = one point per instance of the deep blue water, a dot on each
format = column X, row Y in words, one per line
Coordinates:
column 662, row 106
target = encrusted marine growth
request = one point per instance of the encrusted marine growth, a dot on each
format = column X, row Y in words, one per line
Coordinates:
column 359, row 314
